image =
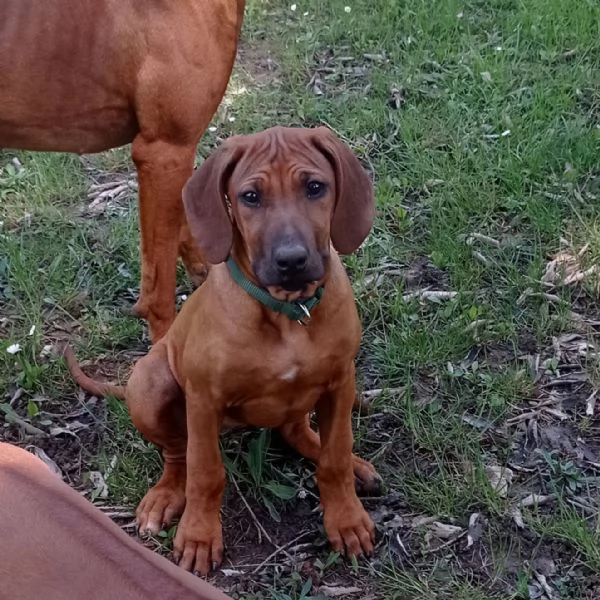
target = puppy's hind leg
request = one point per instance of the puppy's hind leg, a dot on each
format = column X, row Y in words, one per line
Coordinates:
column 305, row 441
column 157, row 408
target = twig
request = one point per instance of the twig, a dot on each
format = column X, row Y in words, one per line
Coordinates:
column 588, row 510
column 475, row 324
column 258, row 523
column 536, row 500
column 484, row 260
column 483, row 238
column 580, row 275
column 429, row 295
column 371, row 394
column 126, row 514
column 27, row 427
column 278, row 550
column 445, row 544
column 522, row 417
column 529, row 293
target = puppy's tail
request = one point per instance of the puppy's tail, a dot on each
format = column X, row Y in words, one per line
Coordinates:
column 87, row 383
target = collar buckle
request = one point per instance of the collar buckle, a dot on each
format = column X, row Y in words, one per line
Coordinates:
column 306, row 317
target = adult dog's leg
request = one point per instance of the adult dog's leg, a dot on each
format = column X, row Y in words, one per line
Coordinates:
column 306, row 441
column 157, row 408
column 163, row 168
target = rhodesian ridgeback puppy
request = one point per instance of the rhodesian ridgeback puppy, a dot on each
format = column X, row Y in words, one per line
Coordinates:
column 271, row 335
column 57, row 545
column 87, row 75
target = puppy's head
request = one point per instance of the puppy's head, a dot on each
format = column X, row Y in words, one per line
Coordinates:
column 291, row 192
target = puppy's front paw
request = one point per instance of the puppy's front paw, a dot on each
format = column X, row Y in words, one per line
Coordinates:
column 349, row 528
column 159, row 507
column 198, row 544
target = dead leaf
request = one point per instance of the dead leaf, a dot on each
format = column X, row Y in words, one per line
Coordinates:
column 56, row 431
column 475, row 529
column 422, row 520
column 590, row 404
column 41, row 454
column 499, row 479
column 100, row 487
column 231, row 572
column 517, row 517
column 444, row 531
column 545, row 586
column 477, row 422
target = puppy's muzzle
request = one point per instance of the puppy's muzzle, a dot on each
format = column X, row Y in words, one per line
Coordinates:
column 291, row 260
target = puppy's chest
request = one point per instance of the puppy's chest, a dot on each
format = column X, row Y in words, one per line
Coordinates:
column 289, row 373
column 302, row 365
column 292, row 374
column 273, row 381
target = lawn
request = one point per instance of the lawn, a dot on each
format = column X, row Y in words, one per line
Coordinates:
column 479, row 292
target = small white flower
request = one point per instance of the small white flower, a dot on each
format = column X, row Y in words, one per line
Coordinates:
column 231, row 119
column 32, row 330
column 212, row 129
column 14, row 348
column 460, row 15
column 498, row 48
column 183, row 297
column 505, row 133
column 347, row 9
column 305, row 14
column 293, row 7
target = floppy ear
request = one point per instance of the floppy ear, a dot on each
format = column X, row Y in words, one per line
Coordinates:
column 354, row 209
column 204, row 203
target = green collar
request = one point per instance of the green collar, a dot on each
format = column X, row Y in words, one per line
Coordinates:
column 294, row 311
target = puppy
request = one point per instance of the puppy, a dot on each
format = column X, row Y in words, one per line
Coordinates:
column 269, row 337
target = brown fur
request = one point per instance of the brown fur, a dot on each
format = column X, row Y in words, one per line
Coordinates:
column 90, row 75
column 228, row 360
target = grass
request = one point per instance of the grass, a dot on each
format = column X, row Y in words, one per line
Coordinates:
column 480, row 121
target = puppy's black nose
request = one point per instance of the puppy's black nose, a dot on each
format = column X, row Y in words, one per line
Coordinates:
column 291, row 259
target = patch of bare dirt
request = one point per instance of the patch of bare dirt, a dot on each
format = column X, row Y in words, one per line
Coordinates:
column 336, row 72
column 256, row 64
column 68, row 431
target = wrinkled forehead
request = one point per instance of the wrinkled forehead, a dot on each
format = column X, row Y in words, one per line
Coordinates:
column 280, row 157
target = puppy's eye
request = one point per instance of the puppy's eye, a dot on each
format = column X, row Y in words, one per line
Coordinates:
column 250, row 198
column 315, row 189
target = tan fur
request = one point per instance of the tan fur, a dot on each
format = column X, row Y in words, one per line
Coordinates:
column 56, row 545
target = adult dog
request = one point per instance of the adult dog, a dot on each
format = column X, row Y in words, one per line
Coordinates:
column 88, row 75
column 271, row 335
column 57, row 545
